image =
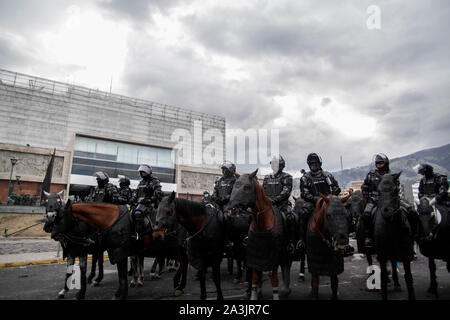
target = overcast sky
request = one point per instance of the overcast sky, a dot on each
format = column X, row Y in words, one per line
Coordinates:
column 334, row 77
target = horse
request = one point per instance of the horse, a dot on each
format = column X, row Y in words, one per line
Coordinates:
column 205, row 241
column 266, row 242
column 326, row 238
column 77, row 243
column 356, row 205
column 392, row 232
column 433, row 237
column 237, row 223
column 170, row 246
column 298, row 209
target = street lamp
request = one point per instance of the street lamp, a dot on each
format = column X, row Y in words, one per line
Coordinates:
column 13, row 163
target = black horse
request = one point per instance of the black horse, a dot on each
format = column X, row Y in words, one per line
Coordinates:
column 393, row 232
column 237, row 223
column 355, row 205
column 433, row 237
column 205, row 227
column 298, row 210
column 79, row 242
column 169, row 244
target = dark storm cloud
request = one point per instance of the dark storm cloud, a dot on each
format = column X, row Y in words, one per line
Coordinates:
column 397, row 75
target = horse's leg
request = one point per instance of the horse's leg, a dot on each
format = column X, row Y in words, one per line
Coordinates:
column 301, row 274
column 230, row 262
column 384, row 278
column 238, row 277
column 93, row 267
column 183, row 268
column 274, row 282
column 201, row 277
column 256, row 278
column 369, row 259
column 133, row 268
column 315, row 286
column 100, row 260
column 122, row 291
column 161, row 266
column 433, row 280
column 83, row 268
column 216, row 279
column 140, row 270
column 62, row 293
column 409, row 280
column 334, row 287
column 397, row 286
column 286, row 274
column 153, row 269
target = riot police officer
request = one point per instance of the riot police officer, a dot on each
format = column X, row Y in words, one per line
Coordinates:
column 312, row 183
column 104, row 191
column 145, row 197
column 370, row 193
column 433, row 185
column 224, row 185
column 278, row 185
column 125, row 192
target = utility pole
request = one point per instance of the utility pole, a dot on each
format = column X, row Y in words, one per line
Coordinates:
column 342, row 172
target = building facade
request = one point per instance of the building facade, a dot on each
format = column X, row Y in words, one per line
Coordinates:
column 94, row 131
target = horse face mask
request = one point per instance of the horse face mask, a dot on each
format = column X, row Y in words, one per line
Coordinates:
column 336, row 221
column 243, row 193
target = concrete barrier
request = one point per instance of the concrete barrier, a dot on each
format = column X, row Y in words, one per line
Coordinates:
column 22, row 209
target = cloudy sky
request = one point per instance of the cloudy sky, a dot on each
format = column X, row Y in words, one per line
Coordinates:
column 335, row 77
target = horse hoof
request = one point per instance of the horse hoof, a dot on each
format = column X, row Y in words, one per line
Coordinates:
column 60, row 296
column 95, row 284
column 236, row 281
column 132, row 284
column 397, row 288
column 178, row 293
column 140, row 284
column 301, row 277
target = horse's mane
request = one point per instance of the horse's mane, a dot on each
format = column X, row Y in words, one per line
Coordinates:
column 260, row 194
column 193, row 207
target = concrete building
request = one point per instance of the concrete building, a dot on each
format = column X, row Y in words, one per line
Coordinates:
column 94, row 131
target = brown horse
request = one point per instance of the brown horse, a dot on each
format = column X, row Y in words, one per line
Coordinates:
column 326, row 238
column 266, row 244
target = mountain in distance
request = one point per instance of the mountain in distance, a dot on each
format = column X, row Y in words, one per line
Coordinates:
column 438, row 158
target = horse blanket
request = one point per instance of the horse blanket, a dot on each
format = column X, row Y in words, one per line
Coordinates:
column 264, row 249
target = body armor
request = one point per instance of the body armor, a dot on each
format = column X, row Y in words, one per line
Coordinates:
column 222, row 190
column 434, row 186
column 278, row 188
column 107, row 194
column 125, row 195
column 312, row 184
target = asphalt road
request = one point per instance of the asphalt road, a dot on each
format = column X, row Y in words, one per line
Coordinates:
column 43, row 282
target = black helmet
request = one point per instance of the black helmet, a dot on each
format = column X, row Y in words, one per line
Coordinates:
column 381, row 158
column 312, row 159
column 124, row 181
column 425, row 169
column 102, row 178
column 145, row 168
column 280, row 161
column 229, row 166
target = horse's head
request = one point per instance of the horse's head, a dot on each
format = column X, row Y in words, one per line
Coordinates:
column 53, row 206
column 165, row 216
column 356, row 204
column 388, row 195
column 429, row 217
column 62, row 223
column 336, row 221
column 244, row 191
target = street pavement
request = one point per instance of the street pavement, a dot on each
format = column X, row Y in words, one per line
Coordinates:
column 32, row 269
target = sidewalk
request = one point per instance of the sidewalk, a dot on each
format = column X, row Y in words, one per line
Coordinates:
column 16, row 252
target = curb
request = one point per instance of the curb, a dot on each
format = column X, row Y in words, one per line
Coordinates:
column 49, row 261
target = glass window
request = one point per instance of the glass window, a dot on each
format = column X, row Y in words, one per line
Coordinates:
column 85, row 144
column 148, row 156
column 127, row 153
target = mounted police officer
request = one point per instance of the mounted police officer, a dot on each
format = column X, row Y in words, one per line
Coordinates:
column 433, row 185
column 278, row 185
column 125, row 192
column 105, row 191
column 312, row 183
column 224, row 185
column 145, row 197
column 370, row 193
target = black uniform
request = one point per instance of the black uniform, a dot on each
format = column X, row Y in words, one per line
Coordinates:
column 433, row 185
column 224, row 185
column 312, row 184
column 144, row 197
column 105, row 191
column 125, row 192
